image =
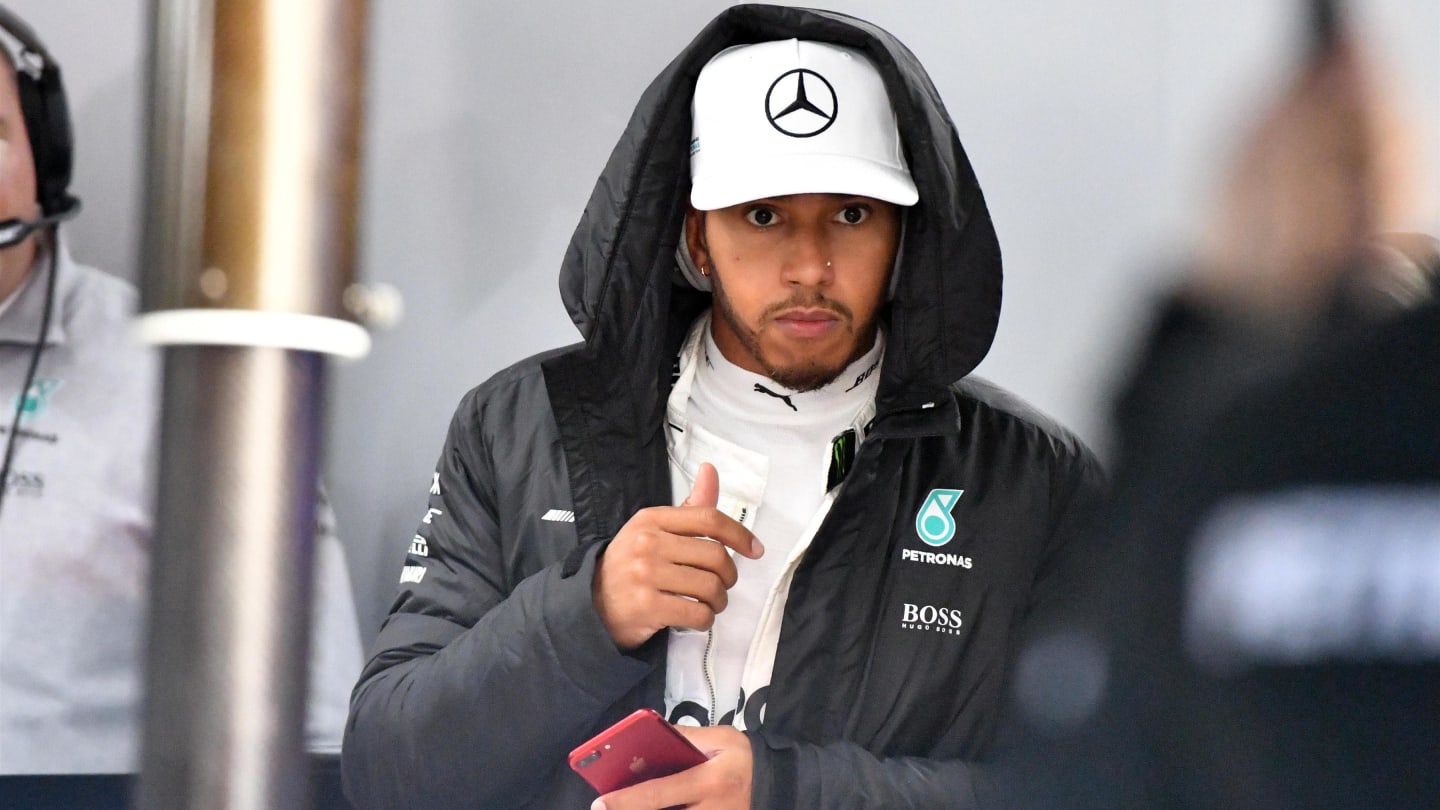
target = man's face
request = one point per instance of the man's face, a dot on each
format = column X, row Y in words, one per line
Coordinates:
column 798, row 281
column 17, row 166
column 17, row 182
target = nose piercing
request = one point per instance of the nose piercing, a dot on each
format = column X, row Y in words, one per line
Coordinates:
column 827, row 263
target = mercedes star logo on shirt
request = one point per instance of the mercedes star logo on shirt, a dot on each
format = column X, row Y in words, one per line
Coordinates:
column 801, row 103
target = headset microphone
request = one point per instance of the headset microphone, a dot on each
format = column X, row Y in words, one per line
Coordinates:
column 13, row 231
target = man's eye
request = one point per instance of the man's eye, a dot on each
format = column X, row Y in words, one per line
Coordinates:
column 761, row 217
column 854, row 214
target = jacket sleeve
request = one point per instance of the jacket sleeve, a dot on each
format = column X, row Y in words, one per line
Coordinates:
column 802, row 776
column 791, row 774
column 477, row 688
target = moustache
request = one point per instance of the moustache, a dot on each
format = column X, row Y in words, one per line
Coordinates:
column 817, row 301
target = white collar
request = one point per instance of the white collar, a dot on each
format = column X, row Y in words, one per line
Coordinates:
column 852, row 392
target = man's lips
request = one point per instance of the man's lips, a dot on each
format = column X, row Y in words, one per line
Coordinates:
column 807, row 323
column 807, row 315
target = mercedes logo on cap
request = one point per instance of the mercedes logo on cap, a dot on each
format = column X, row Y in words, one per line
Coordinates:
column 801, row 103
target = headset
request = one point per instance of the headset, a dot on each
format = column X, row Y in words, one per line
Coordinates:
column 47, row 122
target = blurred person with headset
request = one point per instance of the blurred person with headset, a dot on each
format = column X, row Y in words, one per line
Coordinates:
column 77, row 477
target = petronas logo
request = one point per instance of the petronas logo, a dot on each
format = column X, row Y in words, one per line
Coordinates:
column 933, row 522
column 36, row 400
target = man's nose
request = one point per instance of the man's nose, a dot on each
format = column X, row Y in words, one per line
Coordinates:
column 809, row 262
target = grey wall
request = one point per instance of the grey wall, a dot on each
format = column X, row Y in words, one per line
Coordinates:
column 1094, row 126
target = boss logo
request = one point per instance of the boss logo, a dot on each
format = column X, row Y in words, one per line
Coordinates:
column 929, row 617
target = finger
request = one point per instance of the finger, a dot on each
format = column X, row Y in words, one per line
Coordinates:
column 714, row 740
column 677, row 611
column 699, row 521
column 676, row 790
column 704, row 555
column 696, row 583
column 706, row 489
column 654, row 548
column 709, row 739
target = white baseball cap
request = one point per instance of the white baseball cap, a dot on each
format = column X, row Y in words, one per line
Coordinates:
column 794, row 117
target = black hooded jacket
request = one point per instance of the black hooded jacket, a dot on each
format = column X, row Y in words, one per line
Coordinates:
column 493, row 663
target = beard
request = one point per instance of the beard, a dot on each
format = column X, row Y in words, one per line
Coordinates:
column 807, row 374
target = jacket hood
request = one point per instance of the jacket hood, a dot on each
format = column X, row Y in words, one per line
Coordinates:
column 619, row 282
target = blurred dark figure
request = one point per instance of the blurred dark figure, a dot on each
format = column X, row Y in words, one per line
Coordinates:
column 1264, row 629
column 1301, row 253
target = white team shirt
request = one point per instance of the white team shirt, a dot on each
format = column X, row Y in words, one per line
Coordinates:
column 772, row 448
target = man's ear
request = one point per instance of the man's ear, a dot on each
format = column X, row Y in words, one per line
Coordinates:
column 695, row 240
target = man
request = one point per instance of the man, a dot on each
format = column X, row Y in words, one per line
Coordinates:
column 79, row 434
column 830, row 610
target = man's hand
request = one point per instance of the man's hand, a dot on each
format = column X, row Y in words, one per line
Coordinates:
column 660, row 572
column 723, row 783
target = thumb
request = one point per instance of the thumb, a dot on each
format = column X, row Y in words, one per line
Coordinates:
column 706, row 491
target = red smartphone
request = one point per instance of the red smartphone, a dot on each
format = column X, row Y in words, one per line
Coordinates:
column 640, row 747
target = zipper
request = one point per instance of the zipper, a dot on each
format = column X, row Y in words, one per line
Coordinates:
column 710, row 679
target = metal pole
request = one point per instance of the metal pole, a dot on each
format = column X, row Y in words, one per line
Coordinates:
column 232, row 584
column 253, row 145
